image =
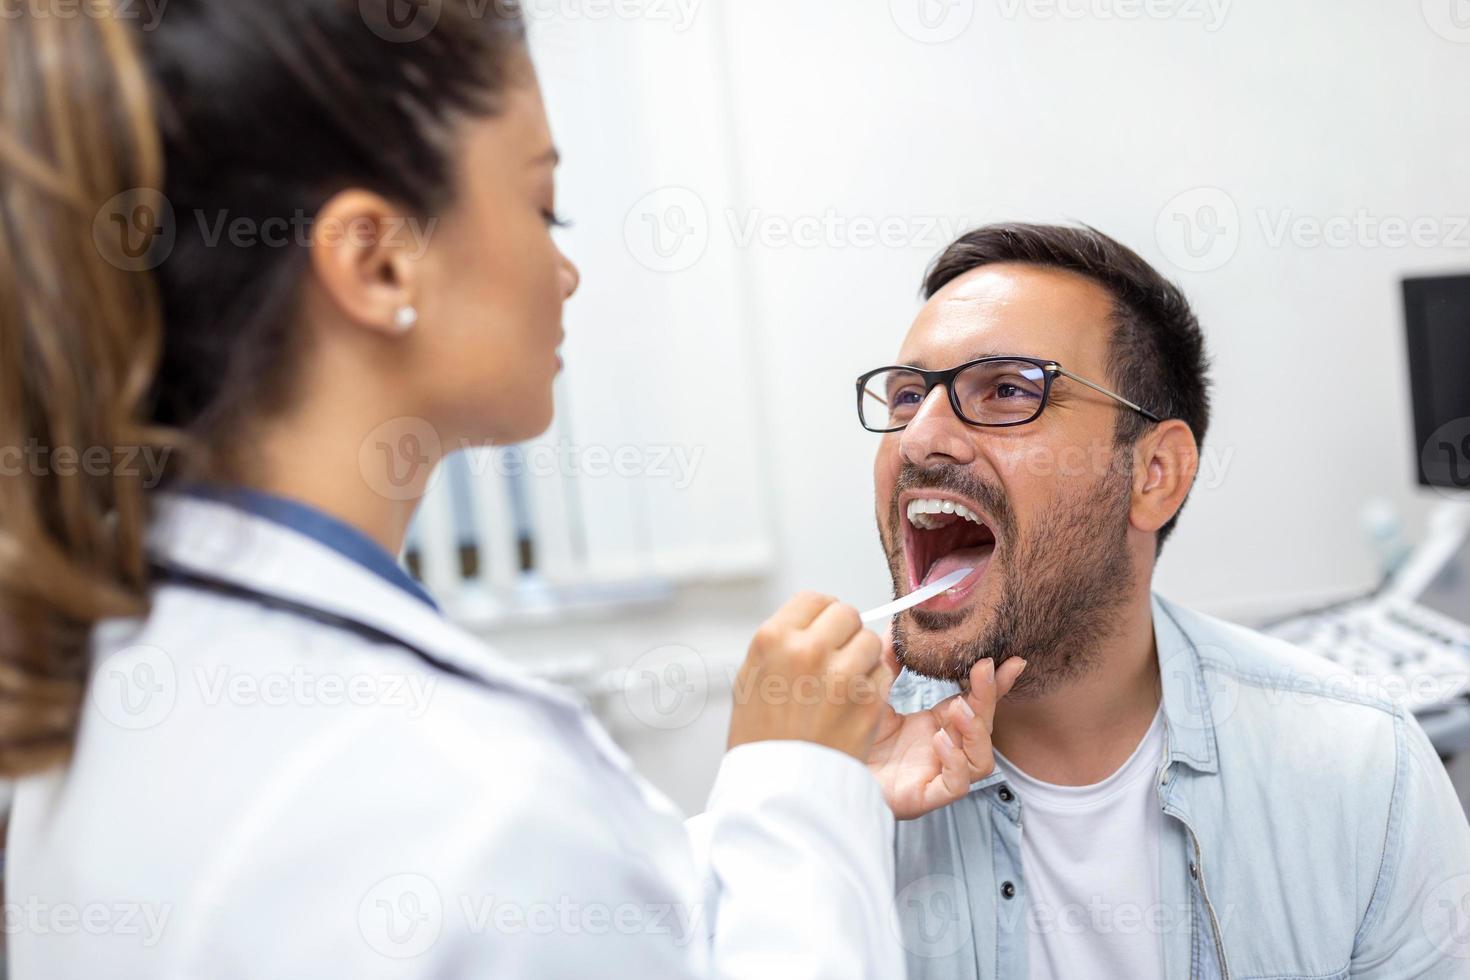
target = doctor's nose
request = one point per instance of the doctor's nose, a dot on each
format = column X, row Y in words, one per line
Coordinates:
column 935, row 435
column 571, row 278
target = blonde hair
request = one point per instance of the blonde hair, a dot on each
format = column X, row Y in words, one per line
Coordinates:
column 79, row 343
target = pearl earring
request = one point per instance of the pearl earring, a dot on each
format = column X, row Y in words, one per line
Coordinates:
column 406, row 319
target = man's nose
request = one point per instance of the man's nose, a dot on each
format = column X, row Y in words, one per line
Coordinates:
column 936, row 434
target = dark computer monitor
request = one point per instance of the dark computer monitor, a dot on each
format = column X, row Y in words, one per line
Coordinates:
column 1437, row 311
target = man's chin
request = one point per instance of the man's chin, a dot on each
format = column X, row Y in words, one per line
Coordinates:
column 921, row 623
column 942, row 646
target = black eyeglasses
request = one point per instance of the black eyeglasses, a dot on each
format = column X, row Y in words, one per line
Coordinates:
column 992, row 391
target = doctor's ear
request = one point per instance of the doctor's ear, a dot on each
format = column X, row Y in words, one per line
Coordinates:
column 366, row 263
column 1165, row 461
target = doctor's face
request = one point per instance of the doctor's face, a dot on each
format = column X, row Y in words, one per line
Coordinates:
column 1048, row 502
column 495, row 280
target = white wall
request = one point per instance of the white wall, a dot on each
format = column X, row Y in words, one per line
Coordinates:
column 830, row 115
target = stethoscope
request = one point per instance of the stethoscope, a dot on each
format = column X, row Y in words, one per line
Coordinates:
column 171, row 575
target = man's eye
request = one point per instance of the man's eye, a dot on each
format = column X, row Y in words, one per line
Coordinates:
column 553, row 220
column 1006, row 389
column 907, row 396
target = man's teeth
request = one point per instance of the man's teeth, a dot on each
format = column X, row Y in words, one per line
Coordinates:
column 921, row 508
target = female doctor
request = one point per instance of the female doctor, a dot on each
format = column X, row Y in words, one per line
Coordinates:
column 247, row 744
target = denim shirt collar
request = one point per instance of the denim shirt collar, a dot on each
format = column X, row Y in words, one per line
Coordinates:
column 1188, row 711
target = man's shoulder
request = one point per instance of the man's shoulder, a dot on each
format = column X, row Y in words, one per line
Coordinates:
column 1270, row 693
column 1313, row 782
column 1255, row 660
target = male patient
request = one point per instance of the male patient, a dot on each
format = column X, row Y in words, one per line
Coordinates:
column 1173, row 796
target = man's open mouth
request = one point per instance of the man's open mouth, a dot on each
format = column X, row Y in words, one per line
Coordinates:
column 943, row 533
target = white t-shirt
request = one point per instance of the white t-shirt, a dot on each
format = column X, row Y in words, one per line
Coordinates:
column 1090, row 861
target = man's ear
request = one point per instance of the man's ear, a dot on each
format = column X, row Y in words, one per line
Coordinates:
column 1165, row 462
column 362, row 262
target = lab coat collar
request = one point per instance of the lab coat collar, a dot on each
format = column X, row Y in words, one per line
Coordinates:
column 215, row 540
column 330, row 530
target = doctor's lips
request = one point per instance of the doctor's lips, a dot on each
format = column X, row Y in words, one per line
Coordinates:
column 943, row 532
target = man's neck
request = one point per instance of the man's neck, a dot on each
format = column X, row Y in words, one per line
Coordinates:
column 1083, row 730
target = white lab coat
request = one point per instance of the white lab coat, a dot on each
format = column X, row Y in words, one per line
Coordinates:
column 255, row 793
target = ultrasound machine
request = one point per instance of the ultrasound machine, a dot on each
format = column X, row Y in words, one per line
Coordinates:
column 1411, row 636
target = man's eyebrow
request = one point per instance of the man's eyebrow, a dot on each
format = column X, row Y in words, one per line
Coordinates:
column 923, row 363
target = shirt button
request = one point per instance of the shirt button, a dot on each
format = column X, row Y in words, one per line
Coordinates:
column 1194, row 870
column 1007, row 890
column 1006, row 795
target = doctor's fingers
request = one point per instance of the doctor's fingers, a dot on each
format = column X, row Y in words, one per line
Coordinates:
column 799, row 611
column 885, row 673
column 890, row 656
column 861, row 656
column 835, row 626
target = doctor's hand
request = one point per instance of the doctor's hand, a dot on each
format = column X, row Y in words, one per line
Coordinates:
column 813, row 674
column 928, row 759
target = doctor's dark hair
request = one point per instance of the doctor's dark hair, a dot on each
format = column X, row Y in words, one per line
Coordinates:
column 1157, row 354
column 130, row 328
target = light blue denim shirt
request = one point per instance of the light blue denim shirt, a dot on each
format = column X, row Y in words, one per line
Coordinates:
column 1310, row 831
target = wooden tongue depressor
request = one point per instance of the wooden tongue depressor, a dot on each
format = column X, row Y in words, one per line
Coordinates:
column 917, row 596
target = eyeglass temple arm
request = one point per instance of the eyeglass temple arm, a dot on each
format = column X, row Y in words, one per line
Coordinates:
column 1111, row 394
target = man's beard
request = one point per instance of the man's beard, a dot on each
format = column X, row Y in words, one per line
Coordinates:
column 1061, row 588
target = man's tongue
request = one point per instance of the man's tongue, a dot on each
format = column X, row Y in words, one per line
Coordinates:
column 959, row 558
